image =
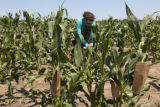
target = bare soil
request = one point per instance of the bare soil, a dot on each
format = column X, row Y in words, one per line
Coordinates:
column 20, row 100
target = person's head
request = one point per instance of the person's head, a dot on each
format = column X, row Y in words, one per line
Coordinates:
column 89, row 18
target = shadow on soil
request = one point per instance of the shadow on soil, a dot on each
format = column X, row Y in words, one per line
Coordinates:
column 32, row 98
column 156, row 86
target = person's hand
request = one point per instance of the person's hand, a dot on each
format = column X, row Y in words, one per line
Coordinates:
column 85, row 47
column 91, row 44
column 88, row 47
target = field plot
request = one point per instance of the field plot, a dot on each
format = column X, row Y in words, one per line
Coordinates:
column 22, row 101
column 43, row 64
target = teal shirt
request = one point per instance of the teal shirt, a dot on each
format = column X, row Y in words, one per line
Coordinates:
column 82, row 29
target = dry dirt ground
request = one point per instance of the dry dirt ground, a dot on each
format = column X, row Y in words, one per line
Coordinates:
column 22, row 101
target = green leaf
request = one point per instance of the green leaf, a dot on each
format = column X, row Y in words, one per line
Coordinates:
column 32, row 79
column 133, row 23
column 146, row 20
column 100, row 62
column 130, row 15
column 78, row 53
column 131, row 64
column 42, row 70
column 146, row 88
column 51, row 28
column 151, row 77
column 149, row 104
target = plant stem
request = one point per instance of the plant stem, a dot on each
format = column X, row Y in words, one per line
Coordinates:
column 10, row 84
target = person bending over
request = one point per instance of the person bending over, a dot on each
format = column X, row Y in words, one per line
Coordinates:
column 84, row 30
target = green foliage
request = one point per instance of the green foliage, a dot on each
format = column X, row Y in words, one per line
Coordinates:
column 29, row 43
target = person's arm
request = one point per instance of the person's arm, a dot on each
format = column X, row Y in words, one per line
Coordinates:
column 79, row 25
column 92, row 35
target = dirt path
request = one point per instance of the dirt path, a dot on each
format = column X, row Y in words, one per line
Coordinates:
column 22, row 101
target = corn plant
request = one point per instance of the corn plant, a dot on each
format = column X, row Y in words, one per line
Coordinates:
column 28, row 43
column 138, row 28
column 9, row 51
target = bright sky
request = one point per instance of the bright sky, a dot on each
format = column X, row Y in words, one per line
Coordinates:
column 101, row 8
